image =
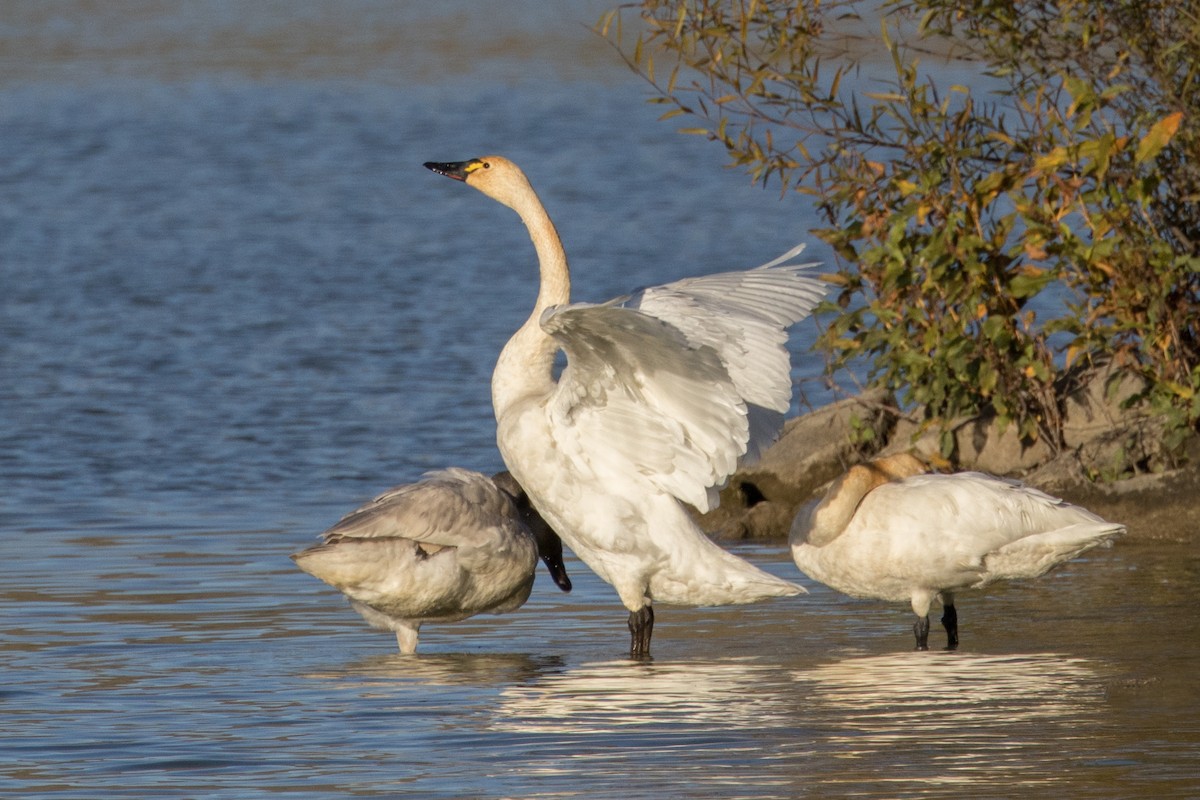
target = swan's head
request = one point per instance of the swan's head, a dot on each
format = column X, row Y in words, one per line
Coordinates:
column 495, row 176
column 549, row 546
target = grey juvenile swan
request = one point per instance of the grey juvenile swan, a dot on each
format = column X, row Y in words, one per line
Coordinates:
column 455, row 544
column 664, row 391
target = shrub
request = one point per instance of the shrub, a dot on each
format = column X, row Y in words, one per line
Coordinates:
column 1064, row 179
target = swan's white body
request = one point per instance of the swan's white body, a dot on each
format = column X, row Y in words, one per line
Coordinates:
column 443, row 549
column 884, row 532
column 663, row 393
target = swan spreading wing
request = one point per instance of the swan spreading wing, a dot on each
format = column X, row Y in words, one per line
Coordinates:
column 744, row 316
column 663, row 392
column 681, row 382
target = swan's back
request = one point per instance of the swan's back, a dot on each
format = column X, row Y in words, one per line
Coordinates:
column 981, row 513
column 950, row 532
column 451, row 507
column 445, row 548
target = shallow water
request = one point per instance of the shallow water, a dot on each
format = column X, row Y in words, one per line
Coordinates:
column 201, row 665
column 233, row 306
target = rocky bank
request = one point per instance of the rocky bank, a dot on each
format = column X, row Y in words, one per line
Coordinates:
column 1103, row 439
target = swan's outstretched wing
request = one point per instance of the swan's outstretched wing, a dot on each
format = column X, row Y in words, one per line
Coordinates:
column 449, row 507
column 678, row 382
column 636, row 399
column 744, row 316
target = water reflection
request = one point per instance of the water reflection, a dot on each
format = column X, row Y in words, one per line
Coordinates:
column 625, row 695
column 443, row 669
column 955, row 718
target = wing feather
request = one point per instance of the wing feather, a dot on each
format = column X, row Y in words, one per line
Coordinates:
column 744, row 316
column 680, row 382
column 449, row 507
column 662, row 407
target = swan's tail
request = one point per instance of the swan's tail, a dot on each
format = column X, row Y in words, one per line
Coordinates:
column 716, row 577
column 1036, row 555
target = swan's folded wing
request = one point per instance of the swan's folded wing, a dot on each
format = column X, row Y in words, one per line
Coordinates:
column 744, row 316
column 449, row 508
column 981, row 516
column 637, row 398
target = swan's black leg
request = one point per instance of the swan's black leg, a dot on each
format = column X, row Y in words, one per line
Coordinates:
column 950, row 623
column 921, row 631
column 641, row 625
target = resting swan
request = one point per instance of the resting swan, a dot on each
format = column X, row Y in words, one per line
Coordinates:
column 887, row 531
column 663, row 392
column 450, row 546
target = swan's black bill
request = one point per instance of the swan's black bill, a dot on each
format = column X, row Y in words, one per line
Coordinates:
column 549, row 546
column 558, row 570
column 451, row 169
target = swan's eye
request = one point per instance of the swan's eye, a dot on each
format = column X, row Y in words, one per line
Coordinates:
column 486, row 165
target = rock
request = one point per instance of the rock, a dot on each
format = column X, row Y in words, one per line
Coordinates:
column 1107, row 434
column 978, row 441
column 1095, row 408
column 815, row 448
column 1110, row 433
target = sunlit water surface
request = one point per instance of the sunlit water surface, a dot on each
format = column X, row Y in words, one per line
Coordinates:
column 233, row 306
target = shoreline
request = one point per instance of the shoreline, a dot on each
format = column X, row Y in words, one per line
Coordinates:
column 761, row 499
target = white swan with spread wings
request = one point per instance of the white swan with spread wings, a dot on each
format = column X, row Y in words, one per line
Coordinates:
column 664, row 392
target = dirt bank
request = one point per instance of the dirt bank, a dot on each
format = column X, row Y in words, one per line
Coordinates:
column 761, row 500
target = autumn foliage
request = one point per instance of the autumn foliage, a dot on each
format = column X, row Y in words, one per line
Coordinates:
column 1001, row 236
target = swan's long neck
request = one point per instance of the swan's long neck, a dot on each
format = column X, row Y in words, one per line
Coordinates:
column 831, row 516
column 526, row 364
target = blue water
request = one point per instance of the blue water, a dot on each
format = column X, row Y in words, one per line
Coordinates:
column 211, row 286
column 233, row 306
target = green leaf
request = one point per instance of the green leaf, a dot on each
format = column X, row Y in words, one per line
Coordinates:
column 1029, row 283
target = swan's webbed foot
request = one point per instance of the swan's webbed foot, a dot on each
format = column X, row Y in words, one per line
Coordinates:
column 950, row 623
column 641, row 625
column 921, row 631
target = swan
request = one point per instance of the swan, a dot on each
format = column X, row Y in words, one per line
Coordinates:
column 663, row 392
column 454, row 544
column 889, row 531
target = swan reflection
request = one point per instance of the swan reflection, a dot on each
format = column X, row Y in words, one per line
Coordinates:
column 443, row 669
column 953, row 718
column 607, row 696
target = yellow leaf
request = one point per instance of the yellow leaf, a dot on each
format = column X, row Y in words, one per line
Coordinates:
column 1185, row 392
column 1158, row 136
column 1051, row 161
